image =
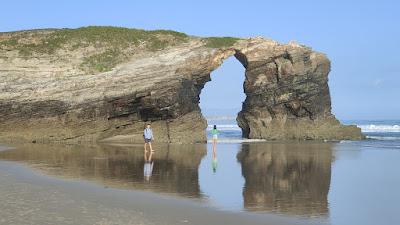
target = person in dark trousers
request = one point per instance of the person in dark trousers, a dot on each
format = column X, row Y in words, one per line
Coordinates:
column 148, row 137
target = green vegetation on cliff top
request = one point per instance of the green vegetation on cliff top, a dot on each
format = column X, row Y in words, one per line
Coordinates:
column 115, row 44
column 117, row 37
column 220, row 42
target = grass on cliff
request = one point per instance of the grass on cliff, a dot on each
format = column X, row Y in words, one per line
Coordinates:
column 113, row 42
column 220, row 42
column 102, row 62
column 116, row 37
column 106, row 46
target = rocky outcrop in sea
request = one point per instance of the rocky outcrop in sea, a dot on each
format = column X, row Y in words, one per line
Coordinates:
column 96, row 84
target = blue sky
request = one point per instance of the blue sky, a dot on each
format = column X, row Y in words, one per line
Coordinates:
column 362, row 39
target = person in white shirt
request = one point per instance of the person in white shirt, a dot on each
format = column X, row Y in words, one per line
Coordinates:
column 148, row 137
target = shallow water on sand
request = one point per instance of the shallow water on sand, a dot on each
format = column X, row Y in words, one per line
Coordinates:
column 339, row 183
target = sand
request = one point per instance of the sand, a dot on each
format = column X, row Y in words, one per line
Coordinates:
column 30, row 197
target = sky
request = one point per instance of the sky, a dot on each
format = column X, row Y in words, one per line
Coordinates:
column 361, row 38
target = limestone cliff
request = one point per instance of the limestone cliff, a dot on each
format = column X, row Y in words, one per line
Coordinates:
column 103, row 84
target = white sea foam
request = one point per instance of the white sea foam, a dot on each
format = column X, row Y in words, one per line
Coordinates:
column 225, row 127
column 221, row 118
column 370, row 128
column 382, row 146
column 364, row 128
column 244, row 140
column 384, row 138
column 379, row 128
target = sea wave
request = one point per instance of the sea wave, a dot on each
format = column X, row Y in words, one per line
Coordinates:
column 243, row 140
column 225, row 127
column 379, row 128
column 221, row 118
column 376, row 142
column 383, row 138
column 367, row 128
column 375, row 145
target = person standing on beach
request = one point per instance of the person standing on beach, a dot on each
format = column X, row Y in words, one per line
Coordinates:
column 214, row 133
column 148, row 137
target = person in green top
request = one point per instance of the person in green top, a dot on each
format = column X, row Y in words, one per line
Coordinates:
column 214, row 133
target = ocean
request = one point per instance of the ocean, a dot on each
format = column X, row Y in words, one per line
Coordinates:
column 379, row 133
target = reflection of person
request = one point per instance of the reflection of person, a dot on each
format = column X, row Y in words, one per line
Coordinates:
column 214, row 162
column 148, row 166
column 148, row 137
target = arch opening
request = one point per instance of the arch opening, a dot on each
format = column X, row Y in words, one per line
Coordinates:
column 222, row 97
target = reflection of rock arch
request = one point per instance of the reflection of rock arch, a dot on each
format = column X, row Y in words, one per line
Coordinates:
column 175, row 167
column 287, row 178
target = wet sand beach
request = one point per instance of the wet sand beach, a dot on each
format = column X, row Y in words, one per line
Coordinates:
column 349, row 183
column 28, row 196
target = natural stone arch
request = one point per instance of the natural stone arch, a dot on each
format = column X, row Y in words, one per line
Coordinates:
column 44, row 99
column 287, row 93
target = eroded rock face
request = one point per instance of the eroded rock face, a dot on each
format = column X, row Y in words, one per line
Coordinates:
column 288, row 95
column 49, row 98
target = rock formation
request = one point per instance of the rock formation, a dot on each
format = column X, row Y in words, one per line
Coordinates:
column 103, row 83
